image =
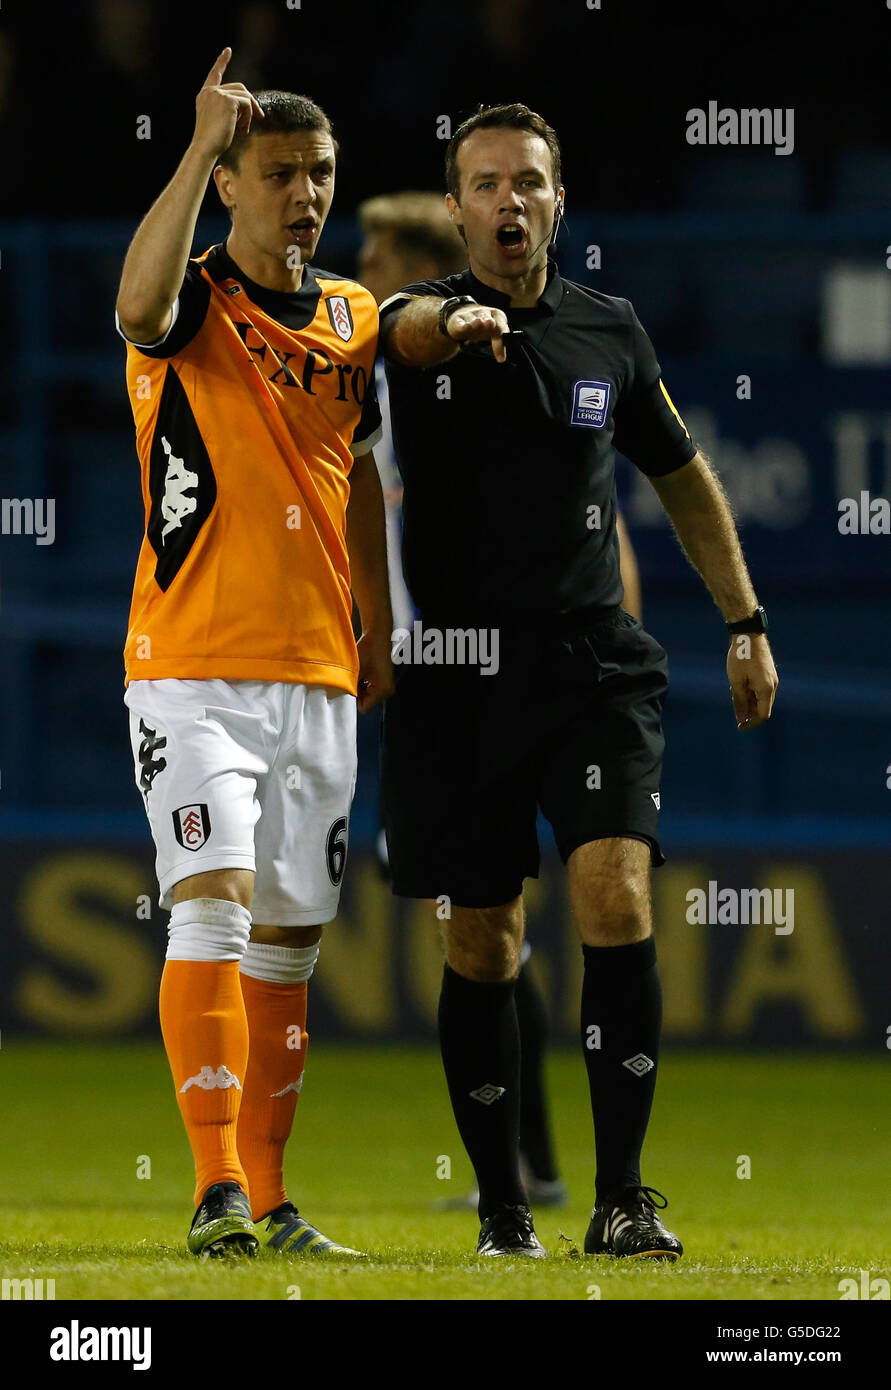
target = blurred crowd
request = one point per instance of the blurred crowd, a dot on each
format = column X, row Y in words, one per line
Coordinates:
column 615, row 80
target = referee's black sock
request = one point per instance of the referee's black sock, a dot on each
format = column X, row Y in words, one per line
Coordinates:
column 480, row 1043
column 621, row 1023
column 535, row 1137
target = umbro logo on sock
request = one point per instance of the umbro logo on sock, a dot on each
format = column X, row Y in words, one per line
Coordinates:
column 291, row 1086
column 640, row 1064
column 487, row 1094
column 210, row 1080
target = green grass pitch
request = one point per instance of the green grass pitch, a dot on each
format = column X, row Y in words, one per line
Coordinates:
column 372, row 1129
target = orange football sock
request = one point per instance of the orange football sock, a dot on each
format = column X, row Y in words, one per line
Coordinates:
column 206, row 1036
column 276, row 1016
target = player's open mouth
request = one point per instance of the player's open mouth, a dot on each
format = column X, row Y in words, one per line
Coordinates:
column 303, row 231
column 511, row 237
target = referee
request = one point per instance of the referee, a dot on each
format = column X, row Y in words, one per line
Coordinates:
column 524, row 683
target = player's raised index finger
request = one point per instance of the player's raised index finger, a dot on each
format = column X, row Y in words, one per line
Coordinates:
column 215, row 76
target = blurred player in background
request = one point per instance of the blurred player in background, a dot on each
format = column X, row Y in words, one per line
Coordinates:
column 251, row 378
column 409, row 237
column 405, row 236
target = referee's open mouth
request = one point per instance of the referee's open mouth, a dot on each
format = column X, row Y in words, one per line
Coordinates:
column 512, row 239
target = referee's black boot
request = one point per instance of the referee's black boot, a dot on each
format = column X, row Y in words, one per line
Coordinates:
column 508, row 1230
column 628, row 1225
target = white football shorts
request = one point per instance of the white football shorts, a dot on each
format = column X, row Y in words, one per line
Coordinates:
column 248, row 774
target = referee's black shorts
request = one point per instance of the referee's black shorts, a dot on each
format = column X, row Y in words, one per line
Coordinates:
column 571, row 723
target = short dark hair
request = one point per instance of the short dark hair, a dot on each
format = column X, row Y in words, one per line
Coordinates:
column 284, row 112
column 511, row 116
column 420, row 227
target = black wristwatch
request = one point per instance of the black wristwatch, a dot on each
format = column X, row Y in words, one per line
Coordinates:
column 448, row 307
column 756, row 623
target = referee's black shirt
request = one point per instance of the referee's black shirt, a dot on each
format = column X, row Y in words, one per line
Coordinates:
column 505, row 465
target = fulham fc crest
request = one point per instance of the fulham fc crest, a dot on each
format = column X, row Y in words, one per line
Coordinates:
column 340, row 315
column 191, row 825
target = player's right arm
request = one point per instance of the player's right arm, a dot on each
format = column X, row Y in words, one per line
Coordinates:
column 411, row 335
column 155, row 264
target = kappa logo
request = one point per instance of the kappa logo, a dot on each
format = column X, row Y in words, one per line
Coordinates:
column 294, row 1086
column 191, row 825
column 175, row 505
column 590, row 404
column 149, row 764
column 209, row 1079
column 488, row 1094
column 341, row 316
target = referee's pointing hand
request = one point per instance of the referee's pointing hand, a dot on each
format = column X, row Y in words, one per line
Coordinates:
column 478, row 324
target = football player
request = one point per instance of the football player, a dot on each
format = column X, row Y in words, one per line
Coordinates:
column 251, row 377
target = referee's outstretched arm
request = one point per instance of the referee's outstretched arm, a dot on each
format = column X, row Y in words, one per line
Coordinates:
column 417, row 337
column 700, row 514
